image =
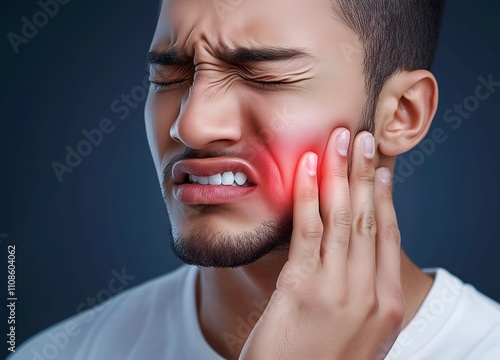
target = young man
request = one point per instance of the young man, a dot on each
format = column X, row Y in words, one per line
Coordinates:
column 274, row 127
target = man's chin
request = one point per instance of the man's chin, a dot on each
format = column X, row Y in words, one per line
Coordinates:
column 207, row 248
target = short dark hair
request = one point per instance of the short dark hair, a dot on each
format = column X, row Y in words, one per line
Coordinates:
column 396, row 35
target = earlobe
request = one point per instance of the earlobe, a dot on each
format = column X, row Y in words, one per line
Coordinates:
column 407, row 106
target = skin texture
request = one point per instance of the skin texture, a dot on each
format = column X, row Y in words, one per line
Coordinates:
column 344, row 224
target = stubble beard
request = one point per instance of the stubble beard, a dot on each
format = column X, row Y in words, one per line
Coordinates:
column 206, row 247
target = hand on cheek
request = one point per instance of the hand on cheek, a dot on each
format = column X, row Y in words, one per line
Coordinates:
column 339, row 294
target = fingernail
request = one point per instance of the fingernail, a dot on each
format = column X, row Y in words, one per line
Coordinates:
column 311, row 164
column 343, row 142
column 368, row 146
column 384, row 174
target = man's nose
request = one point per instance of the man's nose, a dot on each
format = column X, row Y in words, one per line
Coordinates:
column 208, row 118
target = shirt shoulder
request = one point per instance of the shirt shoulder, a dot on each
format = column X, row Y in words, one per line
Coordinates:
column 455, row 321
column 127, row 324
column 481, row 325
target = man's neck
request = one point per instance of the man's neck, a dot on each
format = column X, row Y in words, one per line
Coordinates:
column 230, row 301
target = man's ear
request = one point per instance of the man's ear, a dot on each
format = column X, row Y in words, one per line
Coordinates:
column 406, row 107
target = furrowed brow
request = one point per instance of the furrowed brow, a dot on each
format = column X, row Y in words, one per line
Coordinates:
column 168, row 57
column 249, row 55
column 232, row 56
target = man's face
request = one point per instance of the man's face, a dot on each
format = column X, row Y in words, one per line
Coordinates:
column 249, row 86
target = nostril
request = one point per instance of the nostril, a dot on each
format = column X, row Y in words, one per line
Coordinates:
column 174, row 134
column 201, row 123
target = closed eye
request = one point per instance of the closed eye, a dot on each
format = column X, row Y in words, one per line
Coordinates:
column 271, row 84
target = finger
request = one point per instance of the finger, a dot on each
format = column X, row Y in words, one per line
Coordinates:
column 307, row 226
column 388, row 248
column 362, row 243
column 335, row 203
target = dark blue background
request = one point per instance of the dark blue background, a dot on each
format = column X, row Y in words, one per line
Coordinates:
column 108, row 213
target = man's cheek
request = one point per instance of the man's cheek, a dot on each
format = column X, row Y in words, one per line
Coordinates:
column 287, row 153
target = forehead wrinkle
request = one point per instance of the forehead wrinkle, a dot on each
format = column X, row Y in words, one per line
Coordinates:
column 199, row 30
column 180, row 32
column 218, row 44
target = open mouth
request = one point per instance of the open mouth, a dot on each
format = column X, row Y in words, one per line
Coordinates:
column 218, row 180
column 222, row 171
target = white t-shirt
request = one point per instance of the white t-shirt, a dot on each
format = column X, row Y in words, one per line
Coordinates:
column 158, row 320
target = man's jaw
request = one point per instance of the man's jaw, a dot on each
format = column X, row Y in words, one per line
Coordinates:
column 224, row 225
column 210, row 247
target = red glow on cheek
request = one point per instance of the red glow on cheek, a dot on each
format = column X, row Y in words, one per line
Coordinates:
column 277, row 162
column 307, row 134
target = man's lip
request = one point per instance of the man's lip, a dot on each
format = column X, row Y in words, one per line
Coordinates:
column 195, row 194
column 212, row 166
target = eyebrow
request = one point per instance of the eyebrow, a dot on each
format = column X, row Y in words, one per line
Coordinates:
column 232, row 56
column 169, row 57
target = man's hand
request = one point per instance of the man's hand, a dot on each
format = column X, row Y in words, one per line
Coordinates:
column 339, row 294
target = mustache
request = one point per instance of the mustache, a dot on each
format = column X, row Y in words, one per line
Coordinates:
column 189, row 153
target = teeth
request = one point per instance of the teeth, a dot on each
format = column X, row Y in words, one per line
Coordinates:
column 203, row 180
column 240, row 178
column 227, row 178
column 215, row 179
